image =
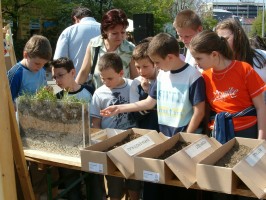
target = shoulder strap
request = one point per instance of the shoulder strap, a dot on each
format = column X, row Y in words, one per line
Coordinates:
column 95, row 58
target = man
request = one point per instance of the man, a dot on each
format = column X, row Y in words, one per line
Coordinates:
column 73, row 41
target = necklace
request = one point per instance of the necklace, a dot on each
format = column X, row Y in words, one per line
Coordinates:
column 216, row 75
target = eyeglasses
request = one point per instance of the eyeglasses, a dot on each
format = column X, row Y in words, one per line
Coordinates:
column 59, row 76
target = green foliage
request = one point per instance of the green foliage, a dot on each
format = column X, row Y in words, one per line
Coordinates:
column 71, row 98
column 256, row 28
column 45, row 93
column 209, row 22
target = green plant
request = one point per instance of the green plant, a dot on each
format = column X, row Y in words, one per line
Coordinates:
column 45, row 93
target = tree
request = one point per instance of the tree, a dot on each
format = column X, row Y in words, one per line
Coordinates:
column 256, row 28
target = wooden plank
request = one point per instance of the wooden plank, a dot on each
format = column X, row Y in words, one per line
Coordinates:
column 7, row 180
column 10, row 139
column 19, row 157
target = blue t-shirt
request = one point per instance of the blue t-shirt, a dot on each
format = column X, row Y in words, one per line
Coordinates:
column 24, row 81
column 176, row 93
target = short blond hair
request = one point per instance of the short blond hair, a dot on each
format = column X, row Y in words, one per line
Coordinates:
column 187, row 19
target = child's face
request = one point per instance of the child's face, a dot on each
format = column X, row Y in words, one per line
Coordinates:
column 228, row 35
column 111, row 79
column 186, row 34
column 161, row 63
column 203, row 60
column 63, row 78
column 146, row 68
column 35, row 64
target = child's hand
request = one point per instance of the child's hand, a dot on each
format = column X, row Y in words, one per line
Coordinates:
column 49, row 88
column 109, row 111
column 145, row 85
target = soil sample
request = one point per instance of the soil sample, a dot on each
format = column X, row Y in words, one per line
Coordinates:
column 54, row 126
column 177, row 147
column 234, row 156
column 130, row 137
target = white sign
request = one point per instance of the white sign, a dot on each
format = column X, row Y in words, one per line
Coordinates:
column 95, row 167
column 138, row 145
column 151, row 176
column 255, row 156
column 198, row 147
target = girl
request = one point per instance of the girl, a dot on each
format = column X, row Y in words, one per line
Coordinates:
column 234, row 90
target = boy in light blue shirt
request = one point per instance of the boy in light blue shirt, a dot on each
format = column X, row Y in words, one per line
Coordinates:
column 28, row 75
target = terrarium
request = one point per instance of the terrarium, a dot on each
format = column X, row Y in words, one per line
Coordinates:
column 54, row 126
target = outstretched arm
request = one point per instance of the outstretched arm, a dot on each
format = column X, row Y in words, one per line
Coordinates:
column 260, row 106
column 145, row 104
column 85, row 67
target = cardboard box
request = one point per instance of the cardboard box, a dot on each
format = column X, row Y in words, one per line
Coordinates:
column 251, row 170
column 123, row 156
column 221, row 179
column 104, row 134
column 149, row 168
column 183, row 163
column 94, row 159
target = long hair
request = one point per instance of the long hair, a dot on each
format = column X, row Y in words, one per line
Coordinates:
column 208, row 41
column 241, row 46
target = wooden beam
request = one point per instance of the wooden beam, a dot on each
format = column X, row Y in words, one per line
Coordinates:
column 10, row 139
column 7, row 175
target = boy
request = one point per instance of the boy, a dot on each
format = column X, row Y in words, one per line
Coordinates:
column 114, row 91
column 139, row 90
column 187, row 24
column 63, row 72
column 28, row 75
column 179, row 93
column 141, row 85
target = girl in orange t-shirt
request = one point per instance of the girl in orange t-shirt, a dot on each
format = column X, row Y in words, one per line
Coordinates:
column 234, row 90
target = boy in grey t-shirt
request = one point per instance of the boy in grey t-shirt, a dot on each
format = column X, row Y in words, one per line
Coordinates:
column 114, row 91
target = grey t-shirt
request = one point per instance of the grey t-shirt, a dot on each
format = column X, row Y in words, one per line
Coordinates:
column 104, row 97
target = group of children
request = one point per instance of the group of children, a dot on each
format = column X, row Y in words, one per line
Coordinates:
column 170, row 94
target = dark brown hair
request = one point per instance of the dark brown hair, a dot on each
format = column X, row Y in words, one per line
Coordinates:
column 110, row 60
column 208, row 41
column 62, row 62
column 163, row 44
column 113, row 18
column 241, row 47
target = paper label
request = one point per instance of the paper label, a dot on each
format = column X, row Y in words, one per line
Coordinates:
column 151, row 176
column 255, row 156
column 95, row 167
column 138, row 145
column 98, row 135
column 198, row 147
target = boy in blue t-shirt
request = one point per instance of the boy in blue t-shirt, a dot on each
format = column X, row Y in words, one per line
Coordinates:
column 28, row 75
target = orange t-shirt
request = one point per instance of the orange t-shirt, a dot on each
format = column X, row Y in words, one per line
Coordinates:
column 232, row 89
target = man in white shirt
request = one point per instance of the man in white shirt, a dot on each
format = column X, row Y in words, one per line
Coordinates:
column 73, row 41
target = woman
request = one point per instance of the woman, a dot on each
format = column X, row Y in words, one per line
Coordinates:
column 112, row 39
column 235, row 35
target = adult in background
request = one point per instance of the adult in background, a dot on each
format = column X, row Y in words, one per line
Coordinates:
column 73, row 41
column 112, row 39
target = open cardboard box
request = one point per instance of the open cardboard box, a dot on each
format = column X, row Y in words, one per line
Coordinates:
column 221, row 179
column 123, row 156
column 94, row 158
column 149, row 168
column 104, row 134
column 183, row 163
column 251, row 170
